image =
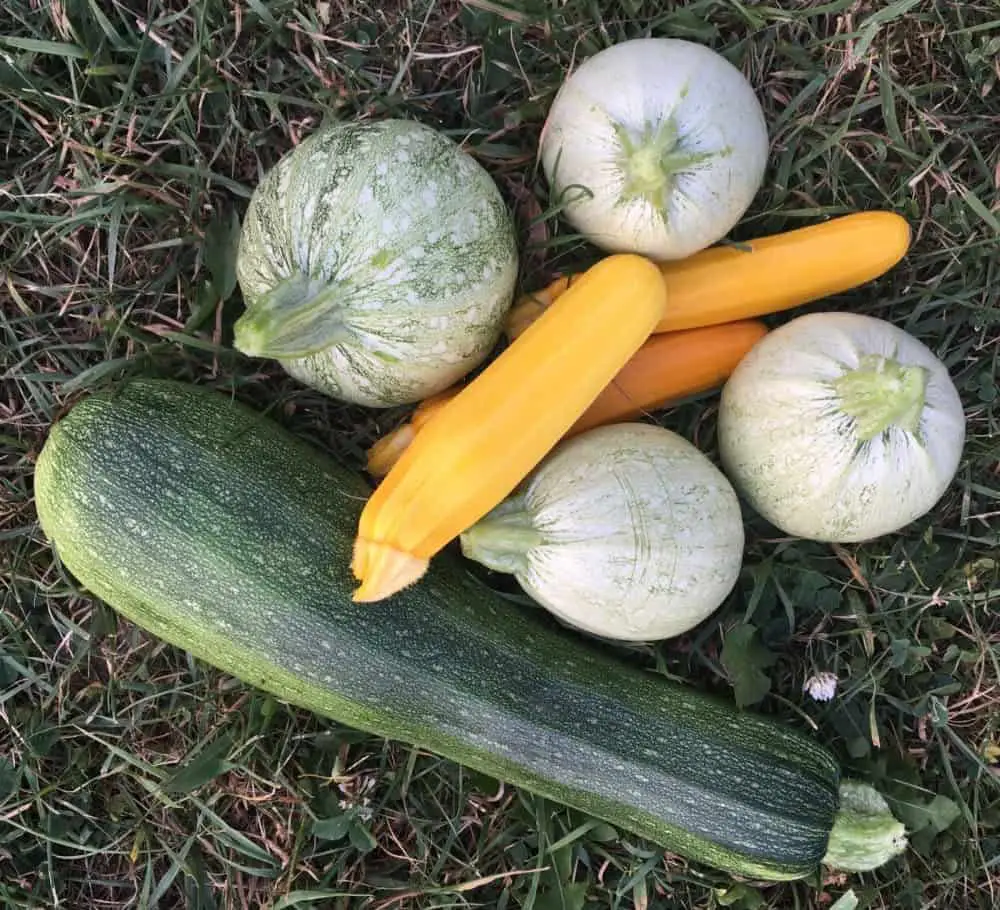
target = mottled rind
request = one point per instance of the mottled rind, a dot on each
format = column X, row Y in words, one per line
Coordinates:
column 211, row 527
column 414, row 236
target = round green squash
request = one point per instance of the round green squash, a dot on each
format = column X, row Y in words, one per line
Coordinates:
column 377, row 261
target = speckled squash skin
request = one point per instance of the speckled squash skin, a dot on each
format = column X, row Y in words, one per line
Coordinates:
column 413, row 235
column 211, row 527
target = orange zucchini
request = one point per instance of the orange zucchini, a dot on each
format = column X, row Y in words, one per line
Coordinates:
column 671, row 366
column 767, row 275
column 483, row 442
column 668, row 367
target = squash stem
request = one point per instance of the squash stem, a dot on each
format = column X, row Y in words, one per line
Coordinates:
column 865, row 833
column 383, row 570
column 881, row 393
column 652, row 161
column 502, row 540
column 298, row 317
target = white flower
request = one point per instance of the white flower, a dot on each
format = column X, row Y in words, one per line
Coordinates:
column 822, row 686
column 357, row 800
column 362, row 809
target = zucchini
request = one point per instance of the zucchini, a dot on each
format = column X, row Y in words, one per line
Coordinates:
column 213, row 528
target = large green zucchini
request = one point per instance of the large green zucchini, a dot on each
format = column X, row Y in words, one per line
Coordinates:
column 213, row 528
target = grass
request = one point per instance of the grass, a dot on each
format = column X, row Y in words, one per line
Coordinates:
column 133, row 135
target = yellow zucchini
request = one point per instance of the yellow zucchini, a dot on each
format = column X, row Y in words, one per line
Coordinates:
column 668, row 367
column 489, row 437
column 767, row 275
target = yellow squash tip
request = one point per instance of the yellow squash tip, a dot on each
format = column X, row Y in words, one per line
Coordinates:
column 385, row 452
column 383, row 570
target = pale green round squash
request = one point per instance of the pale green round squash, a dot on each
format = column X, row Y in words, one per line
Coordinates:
column 627, row 532
column 377, row 261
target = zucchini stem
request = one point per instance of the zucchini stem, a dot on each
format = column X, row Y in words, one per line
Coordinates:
column 392, row 569
column 865, row 833
column 880, row 393
column 651, row 161
column 298, row 317
column 502, row 539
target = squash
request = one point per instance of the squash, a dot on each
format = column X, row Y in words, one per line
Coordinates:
column 840, row 427
column 626, row 531
column 211, row 527
column 485, row 440
column 766, row 275
column 667, row 368
column 377, row 261
column 654, row 146
column 670, row 367
column 385, row 451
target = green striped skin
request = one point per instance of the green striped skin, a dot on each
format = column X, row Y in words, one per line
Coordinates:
column 408, row 242
column 214, row 529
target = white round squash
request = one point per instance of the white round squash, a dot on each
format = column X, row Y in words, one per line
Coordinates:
column 840, row 427
column 655, row 146
column 626, row 531
column 377, row 261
